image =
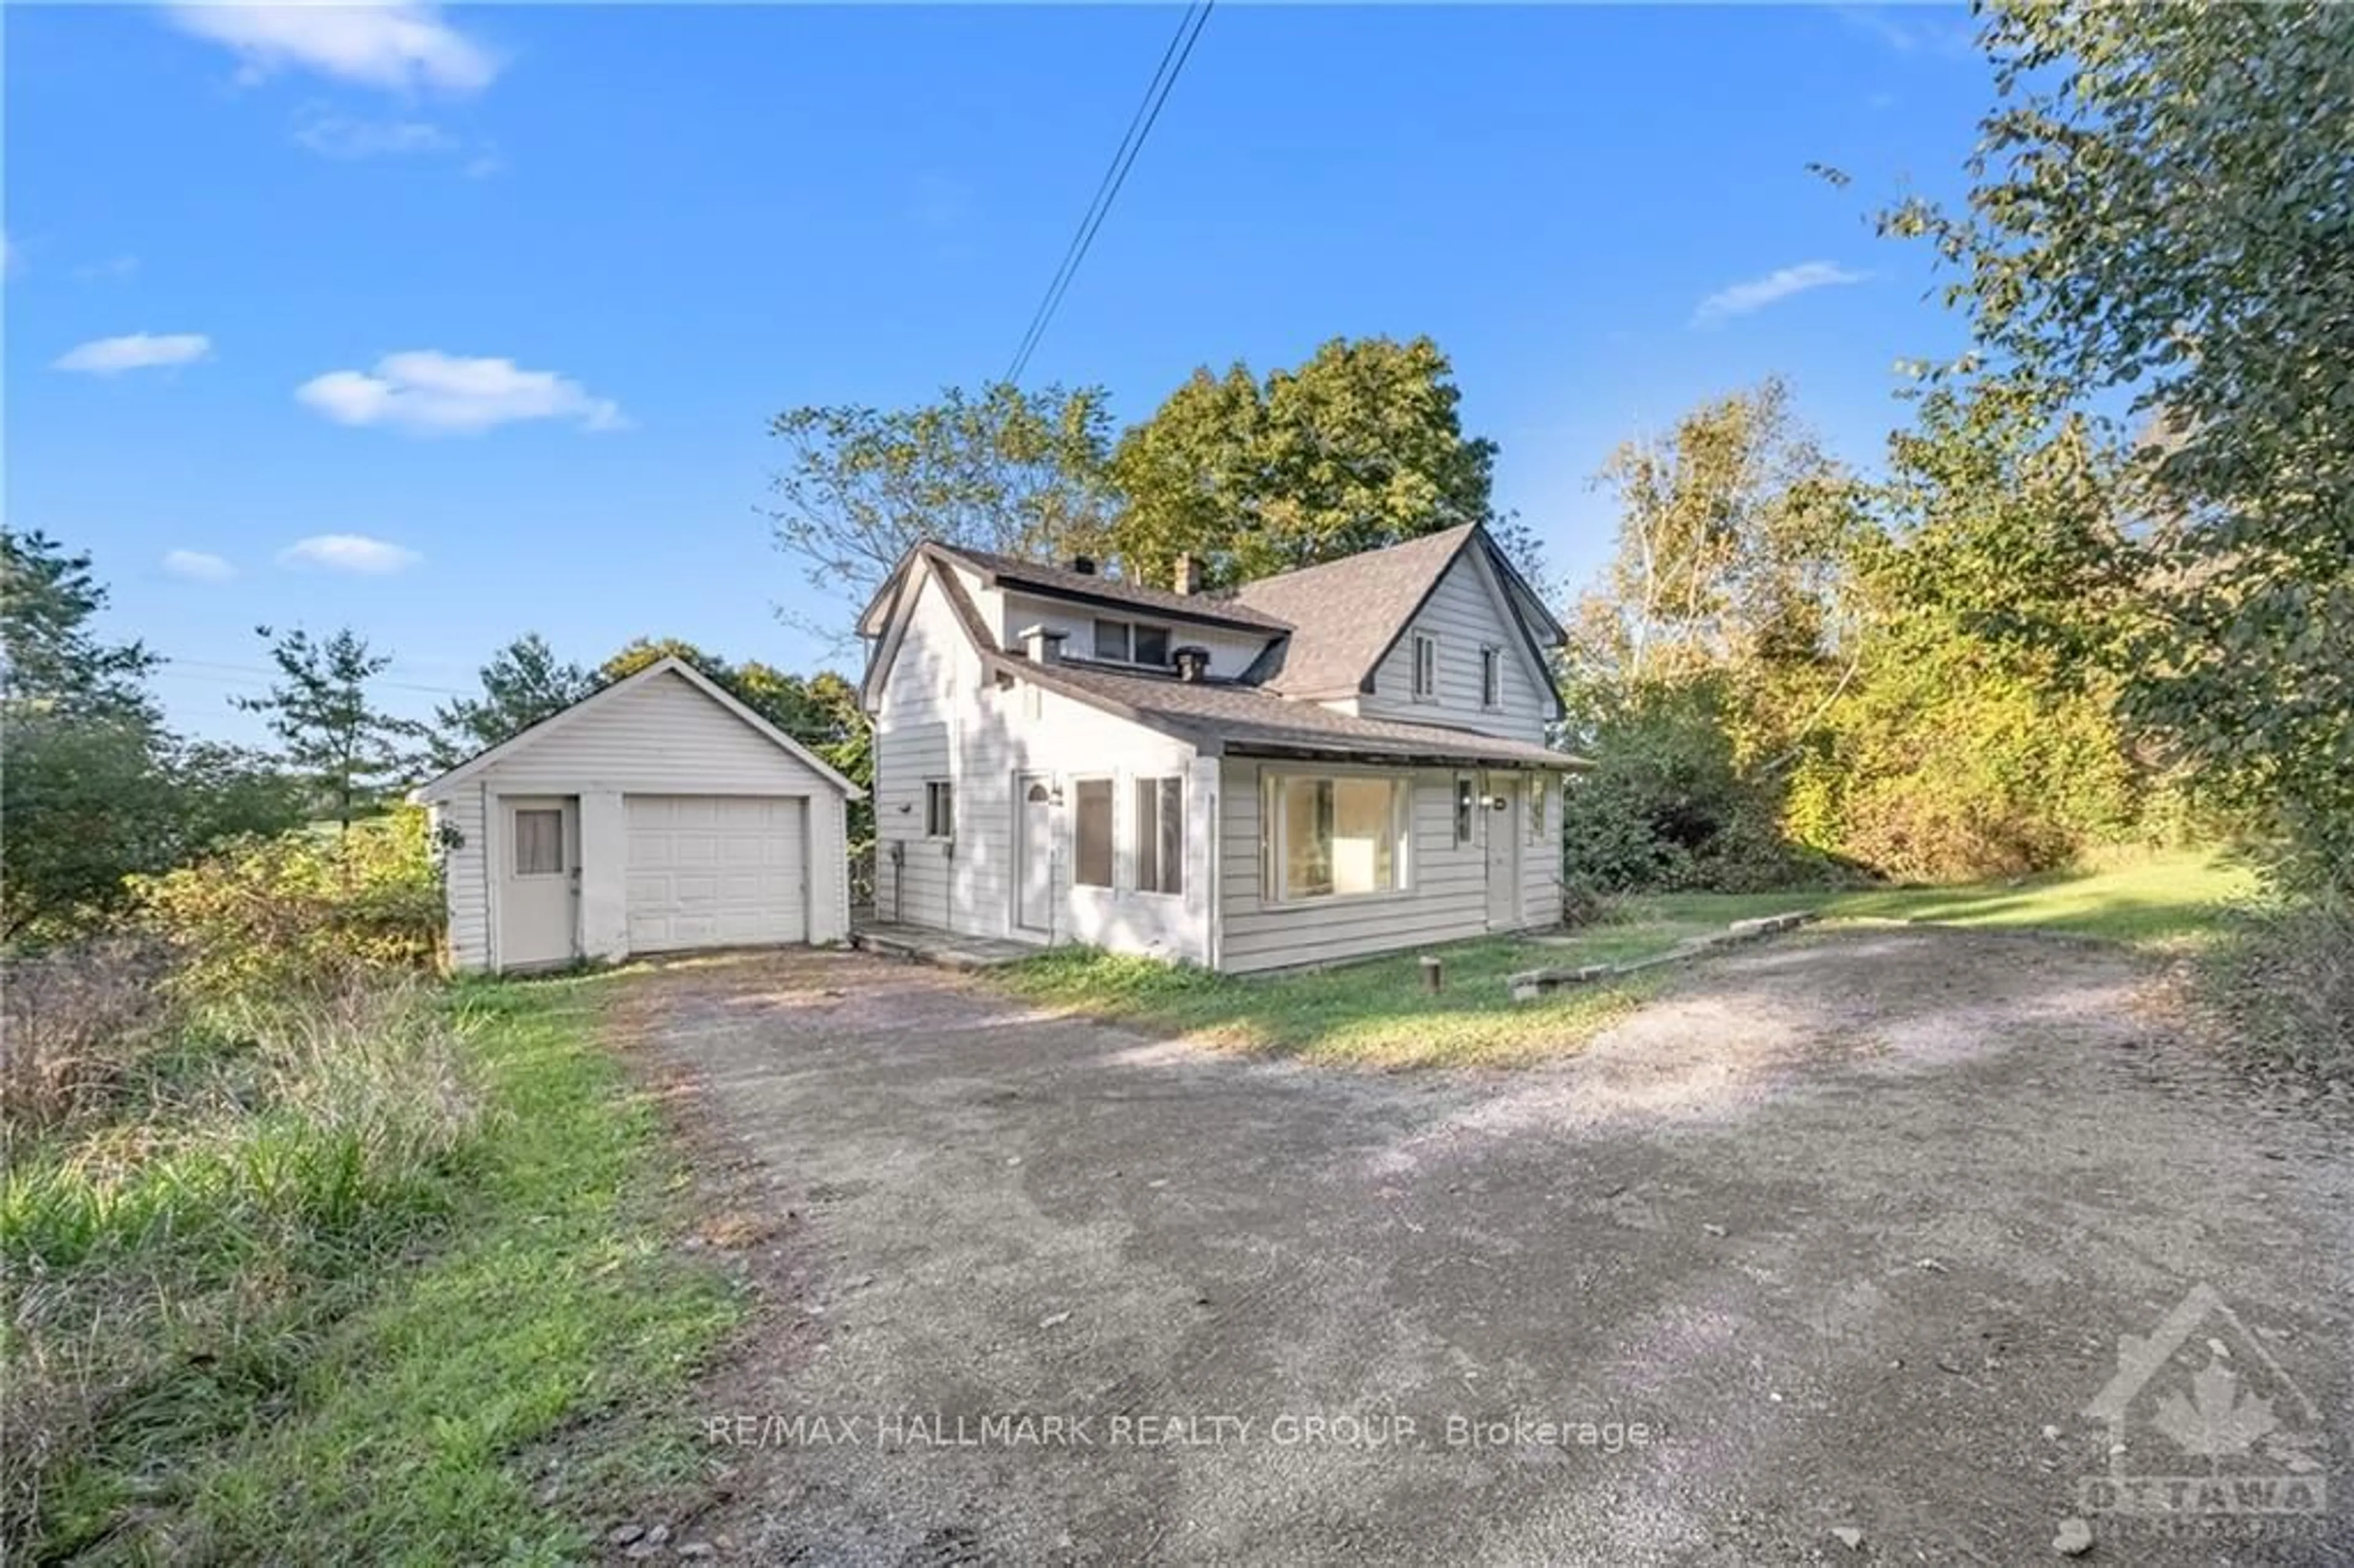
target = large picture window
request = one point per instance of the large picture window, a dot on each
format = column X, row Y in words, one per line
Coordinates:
column 1338, row 837
column 1158, row 824
column 1092, row 826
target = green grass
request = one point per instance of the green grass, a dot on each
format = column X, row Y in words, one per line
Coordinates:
column 1375, row 1014
column 399, row 1399
column 2157, row 901
column 1367, row 1014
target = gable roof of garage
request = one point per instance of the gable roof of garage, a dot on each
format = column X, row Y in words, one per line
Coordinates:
column 440, row 787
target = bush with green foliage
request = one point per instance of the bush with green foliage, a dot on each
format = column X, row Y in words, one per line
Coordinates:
column 302, row 912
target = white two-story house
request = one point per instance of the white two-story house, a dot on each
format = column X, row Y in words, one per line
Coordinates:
column 1334, row 762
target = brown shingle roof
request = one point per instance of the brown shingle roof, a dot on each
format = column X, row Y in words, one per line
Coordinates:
column 1345, row 614
column 1215, row 607
column 1222, row 716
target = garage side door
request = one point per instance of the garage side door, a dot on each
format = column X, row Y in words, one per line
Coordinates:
column 711, row 870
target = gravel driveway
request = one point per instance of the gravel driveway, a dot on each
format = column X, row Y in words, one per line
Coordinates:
column 1826, row 1255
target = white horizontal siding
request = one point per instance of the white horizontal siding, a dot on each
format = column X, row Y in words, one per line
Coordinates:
column 1231, row 651
column 939, row 717
column 1540, row 862
column 464, row 871
column 1446, row 899
column 664, row 736
column 1466, row 612
column 933, row 672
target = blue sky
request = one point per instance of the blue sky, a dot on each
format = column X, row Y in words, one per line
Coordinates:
column 452, row 324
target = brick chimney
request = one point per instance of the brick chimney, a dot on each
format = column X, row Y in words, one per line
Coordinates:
column 1188, row 579
column 1041, row 644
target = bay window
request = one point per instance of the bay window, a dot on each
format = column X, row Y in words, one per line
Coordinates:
column 1336, row 837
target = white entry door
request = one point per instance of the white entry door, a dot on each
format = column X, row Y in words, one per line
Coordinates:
column 540, row 881
column 712, row 871
column 1504, row 850
column 1033, row 897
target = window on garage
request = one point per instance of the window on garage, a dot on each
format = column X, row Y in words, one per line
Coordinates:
column 539, row 841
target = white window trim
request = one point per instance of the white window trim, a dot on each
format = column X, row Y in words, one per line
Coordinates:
column 1492, row 671
column 1273, row 894
column 1099, row 889
column 1128, row 628
column 931, row 785
column 1135, row 838
column 1421, row 692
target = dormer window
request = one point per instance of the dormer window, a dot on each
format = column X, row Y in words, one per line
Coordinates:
column 1132, row 643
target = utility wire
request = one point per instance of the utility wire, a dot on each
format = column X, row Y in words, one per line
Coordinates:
column 208, row 669
column 1123, row 158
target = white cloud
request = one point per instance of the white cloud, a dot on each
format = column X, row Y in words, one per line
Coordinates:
column 341, row 136
column 398, row 44
column 428, row 391
column 1915, row 29
column 197, row 566
column 349, row 552
column 136, row 351
column 1740, row 299
column 113, row 269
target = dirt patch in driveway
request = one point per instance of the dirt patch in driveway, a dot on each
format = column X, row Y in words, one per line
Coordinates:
column 1840, row 1238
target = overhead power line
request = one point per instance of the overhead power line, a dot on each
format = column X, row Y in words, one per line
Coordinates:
column 1123, row 158
column 255, row 675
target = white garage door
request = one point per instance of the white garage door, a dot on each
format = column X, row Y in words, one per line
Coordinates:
column 711, row 870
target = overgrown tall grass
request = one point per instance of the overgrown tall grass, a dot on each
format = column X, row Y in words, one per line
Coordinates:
column 167, row 1250
column 2284, row 974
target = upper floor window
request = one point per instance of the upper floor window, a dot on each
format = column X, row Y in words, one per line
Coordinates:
column 1492, row 677
column 1426, row 667
column 1131, row 642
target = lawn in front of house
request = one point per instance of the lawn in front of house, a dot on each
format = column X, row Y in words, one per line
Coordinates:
column 2156, row 901
column 1373, row 1014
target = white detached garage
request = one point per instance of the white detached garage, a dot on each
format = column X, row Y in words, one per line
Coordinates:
column 660, row 815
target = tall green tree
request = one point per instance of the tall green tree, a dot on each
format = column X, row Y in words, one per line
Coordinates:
column 1733, row 533
column 55, row 660
column 332, row 732
column 93, row 788
column 2161, row 208
column 1978, row 731
column 524, row 682
column 997, row 469
column 1360, row 447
